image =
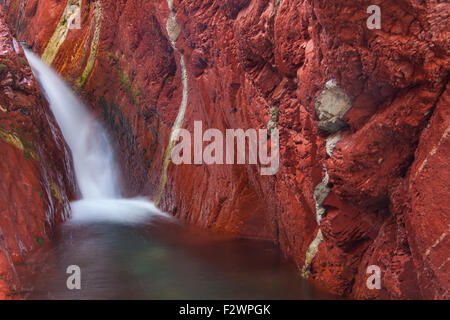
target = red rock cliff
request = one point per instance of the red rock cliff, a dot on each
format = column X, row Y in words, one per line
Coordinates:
column 36, row 180
column 362, row 114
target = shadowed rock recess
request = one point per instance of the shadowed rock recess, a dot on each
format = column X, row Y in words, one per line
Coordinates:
column 363, row 118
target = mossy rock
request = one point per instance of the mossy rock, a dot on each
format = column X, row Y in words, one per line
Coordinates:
column 39, row 240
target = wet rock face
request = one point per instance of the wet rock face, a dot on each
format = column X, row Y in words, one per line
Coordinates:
column 36, row 175
column 331, row 106
column 360, row 109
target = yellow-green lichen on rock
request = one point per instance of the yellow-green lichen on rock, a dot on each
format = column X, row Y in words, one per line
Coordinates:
column 56, row 192
column 11, row 139
column 72, row 10
column 133, row 92
column 19, row 142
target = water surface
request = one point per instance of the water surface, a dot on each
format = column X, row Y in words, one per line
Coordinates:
column 160, row 261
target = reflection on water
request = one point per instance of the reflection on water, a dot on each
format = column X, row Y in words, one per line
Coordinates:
column 161, row 261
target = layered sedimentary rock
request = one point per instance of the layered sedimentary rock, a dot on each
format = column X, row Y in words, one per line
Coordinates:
column 36, row 175
column 362, row 116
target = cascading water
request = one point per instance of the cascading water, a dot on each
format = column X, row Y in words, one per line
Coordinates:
column 92, row 155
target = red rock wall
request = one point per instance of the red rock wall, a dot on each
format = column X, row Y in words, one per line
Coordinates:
column 362, row 114
column 36, row 175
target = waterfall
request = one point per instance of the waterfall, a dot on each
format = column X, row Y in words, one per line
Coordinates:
column 93, row 156
column 91, row 150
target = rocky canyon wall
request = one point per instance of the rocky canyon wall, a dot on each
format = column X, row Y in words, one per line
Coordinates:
column 36, row 175
column 362, row 115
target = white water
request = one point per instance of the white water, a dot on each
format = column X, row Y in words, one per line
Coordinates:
column 92, row 156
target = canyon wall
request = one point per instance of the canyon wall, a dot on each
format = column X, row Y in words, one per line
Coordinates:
column 36, row 175
column 362, row 115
